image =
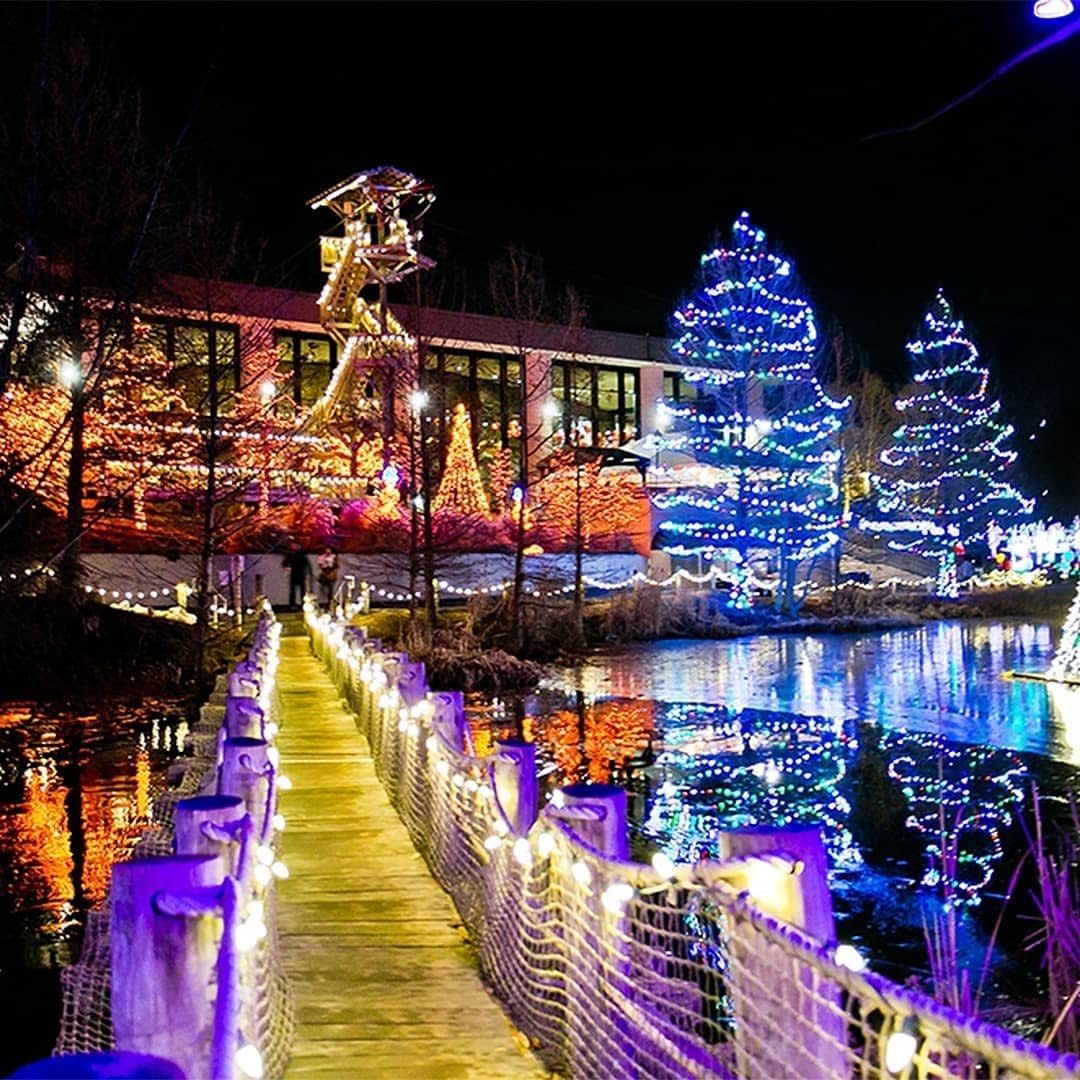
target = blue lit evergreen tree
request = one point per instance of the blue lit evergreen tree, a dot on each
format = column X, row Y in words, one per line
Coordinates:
column 762, row 420
column 945, row 477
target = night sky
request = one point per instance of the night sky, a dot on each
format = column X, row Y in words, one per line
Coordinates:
column 613, row 140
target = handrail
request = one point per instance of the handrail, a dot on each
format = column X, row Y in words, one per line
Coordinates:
column 613, row 968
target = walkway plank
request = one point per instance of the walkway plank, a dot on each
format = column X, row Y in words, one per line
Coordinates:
column 384, row 984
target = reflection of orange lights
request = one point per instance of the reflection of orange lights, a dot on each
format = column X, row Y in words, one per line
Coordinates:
column 113, row 817
column 34, row 836
column 614, row 732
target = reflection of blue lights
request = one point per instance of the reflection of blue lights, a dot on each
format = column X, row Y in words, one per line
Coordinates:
column 961, row 799
column 724, row 770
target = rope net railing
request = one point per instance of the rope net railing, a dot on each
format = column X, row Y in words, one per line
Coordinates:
column 616, row 969
column 253, row 1017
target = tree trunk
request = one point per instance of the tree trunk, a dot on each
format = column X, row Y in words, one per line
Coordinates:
column 579, row 561
column 206, row 550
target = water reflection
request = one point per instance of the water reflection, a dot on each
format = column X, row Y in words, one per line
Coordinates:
column 907, row 745
column 75, row 793
column 943, row 678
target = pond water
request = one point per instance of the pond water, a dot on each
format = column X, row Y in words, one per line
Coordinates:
column 75, row 791
column 907, row 746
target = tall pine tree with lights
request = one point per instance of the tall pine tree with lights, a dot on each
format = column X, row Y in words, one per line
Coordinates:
column 945, row 477
column 747, row 338
column 461, row 488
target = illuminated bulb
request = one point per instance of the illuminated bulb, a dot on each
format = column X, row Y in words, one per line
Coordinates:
column 249, row 1061
column 256, row 909
column 70, row 374
column 558, row 799
column 663, row 866
column 582, row 874
column 267, row 390
column 280, row 871
column 442, row 767
column 265, row 854
column 402, row 726
column 763, row 884
column 522, row 852
column 431, row 744
column 615, row 897
column 850, row 957
column 279, row 822
column 459, row 780
column 471, row 786
column 493, row 842
column 284, row 783
column 414, row 730
column 246, row 938
column 263, row 875
column 545, row 844
column 501, row 827
column 901, row 1046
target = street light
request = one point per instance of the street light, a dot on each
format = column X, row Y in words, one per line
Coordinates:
column 70, row 374
column 267, row 390
column 418, row 400
column 1052, row 9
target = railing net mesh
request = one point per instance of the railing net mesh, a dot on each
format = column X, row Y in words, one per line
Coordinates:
column 610, row 970
column 267, row 1016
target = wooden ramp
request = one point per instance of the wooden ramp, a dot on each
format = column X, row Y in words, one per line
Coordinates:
column 385, row 985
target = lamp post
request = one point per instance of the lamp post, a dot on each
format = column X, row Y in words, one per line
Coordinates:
column 72, row 378
column 418, row 401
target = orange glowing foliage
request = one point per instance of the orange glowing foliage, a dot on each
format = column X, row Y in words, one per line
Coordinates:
column 32, row 456
column 610, row 505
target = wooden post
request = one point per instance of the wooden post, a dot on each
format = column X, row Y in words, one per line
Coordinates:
column 102, row 1063
column 243, row 718
column 515, row 783
column 161, row 964
column 244, row 773
column 412, row 685
column 603, row 825
column 770, row 993
column 220, row 810
column 449, row 718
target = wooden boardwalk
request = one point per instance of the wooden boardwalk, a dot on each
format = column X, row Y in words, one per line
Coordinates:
column 385, row 985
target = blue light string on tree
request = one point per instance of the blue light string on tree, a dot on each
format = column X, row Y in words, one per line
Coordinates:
column 943, row 480
column 748, row 340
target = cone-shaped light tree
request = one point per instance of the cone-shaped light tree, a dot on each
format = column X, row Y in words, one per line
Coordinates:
column 748, row 339
column 945, row 477
column 461, row 488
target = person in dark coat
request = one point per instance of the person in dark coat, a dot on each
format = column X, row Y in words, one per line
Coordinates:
column 299, row 575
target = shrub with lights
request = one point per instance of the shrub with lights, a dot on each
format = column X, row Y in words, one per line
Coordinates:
column 748, row 338
column 945, row 478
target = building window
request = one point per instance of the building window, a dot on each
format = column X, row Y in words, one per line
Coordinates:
column 489, row 386
column 679, row 390
column 192, row 347
column 600, row 405
column 305, row 364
